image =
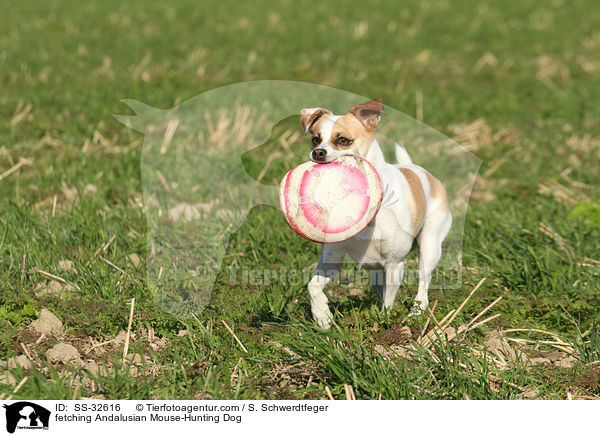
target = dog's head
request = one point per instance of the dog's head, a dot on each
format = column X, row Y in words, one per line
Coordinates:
column 338, row 135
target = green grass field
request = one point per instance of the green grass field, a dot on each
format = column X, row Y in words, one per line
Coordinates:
column 516, row 82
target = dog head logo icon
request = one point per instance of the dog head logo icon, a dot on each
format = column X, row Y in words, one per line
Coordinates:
column 24, row 414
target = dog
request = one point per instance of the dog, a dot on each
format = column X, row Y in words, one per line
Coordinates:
column 414, row 208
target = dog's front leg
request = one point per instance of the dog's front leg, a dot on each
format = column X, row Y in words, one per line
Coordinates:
column 329, row 265
column 393, row 278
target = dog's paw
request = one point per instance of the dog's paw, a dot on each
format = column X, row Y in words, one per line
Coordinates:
column 416, row 310
column 323, row 317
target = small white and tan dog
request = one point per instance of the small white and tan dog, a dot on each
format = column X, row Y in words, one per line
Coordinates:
column 414, row 207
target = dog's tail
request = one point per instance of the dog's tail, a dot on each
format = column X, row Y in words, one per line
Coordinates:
column 402, row 156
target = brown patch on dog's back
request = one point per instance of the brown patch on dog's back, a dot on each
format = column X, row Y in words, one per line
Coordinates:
column 416, row 202
column 437, row 191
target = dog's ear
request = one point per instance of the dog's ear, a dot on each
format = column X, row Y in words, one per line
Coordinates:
column 369, row 113
column 310, row 115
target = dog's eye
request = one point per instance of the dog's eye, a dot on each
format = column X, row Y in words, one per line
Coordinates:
column 343, row 141
column 316, row 141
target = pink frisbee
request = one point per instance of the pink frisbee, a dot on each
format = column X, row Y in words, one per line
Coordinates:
column 331, row 202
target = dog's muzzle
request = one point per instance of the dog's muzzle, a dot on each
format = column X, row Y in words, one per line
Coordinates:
column 319, row 154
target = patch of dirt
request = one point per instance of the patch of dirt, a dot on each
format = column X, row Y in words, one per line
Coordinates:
column 96, row 370
column 394, row 351
column 67, row 265
column 18, row 361
column 53, row 287
column 80, row 358
column 134, row 259
column 141, row 365
column 395, row 335
column 498, row 345
column 122, row 337
column 28, row 335
column 64, row 353
column 47, row 324
column 539, row 361
column 567, row 362
column 93, row 347
column 590, row 379
column 556, row 356
column 21, row 361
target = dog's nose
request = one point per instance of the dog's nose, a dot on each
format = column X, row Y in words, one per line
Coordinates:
column 319, row 154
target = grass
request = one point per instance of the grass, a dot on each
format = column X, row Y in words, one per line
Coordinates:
column 516, row 83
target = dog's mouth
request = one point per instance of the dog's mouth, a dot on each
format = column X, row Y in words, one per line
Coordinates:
column 329, row 158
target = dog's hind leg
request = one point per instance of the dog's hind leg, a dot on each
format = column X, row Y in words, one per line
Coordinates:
column 329, row 266
column 430, row 240
column 393, row 244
